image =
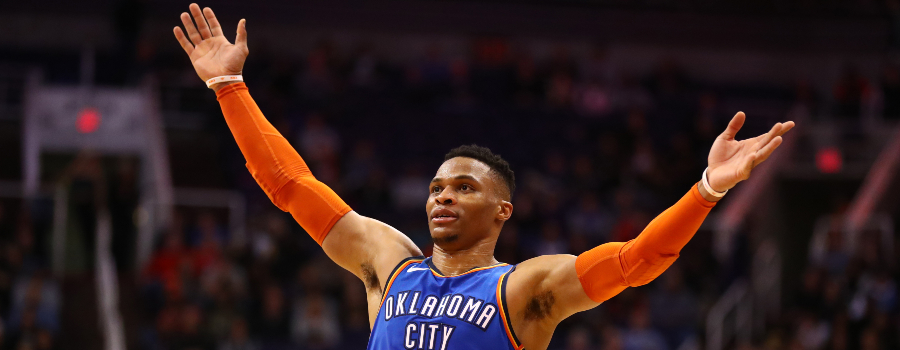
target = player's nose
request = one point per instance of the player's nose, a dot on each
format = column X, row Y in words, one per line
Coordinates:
column 446, row 197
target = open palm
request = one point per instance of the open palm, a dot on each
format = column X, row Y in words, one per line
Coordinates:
column 211, row 53
column 731, row 161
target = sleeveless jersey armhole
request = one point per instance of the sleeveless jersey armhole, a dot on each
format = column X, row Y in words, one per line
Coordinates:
column 400, row 266
column 504, row 312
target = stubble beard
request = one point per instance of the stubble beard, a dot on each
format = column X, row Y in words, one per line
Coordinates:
column 445, row 239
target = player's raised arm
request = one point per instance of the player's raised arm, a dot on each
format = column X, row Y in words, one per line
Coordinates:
column 364, row 246
column 580, row 283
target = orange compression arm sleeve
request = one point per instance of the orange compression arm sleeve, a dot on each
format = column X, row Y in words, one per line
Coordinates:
column 608, row 269
column 277, row 167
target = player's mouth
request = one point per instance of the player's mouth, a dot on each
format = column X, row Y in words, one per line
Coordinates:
column 443, row 216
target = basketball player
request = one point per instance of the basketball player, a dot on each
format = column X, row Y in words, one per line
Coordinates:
column 461, row 297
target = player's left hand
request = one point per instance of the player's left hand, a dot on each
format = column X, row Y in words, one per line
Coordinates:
column 731, row 161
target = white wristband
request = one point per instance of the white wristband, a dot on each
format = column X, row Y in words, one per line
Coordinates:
column 709, row 188
column 222, row 79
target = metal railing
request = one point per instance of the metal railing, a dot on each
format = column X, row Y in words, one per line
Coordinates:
column 730, row 317
column 107, row 286
column 765, row 283
column 740, row 313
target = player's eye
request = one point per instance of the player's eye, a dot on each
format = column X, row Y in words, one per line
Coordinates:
column 435, row 189
column 465, row 187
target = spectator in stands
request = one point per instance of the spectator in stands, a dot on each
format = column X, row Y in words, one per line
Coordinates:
column 528, row 86
column 45, row 340
column 584, row 175
column 9, row 267
column 36, row 300
column 630, row 94
column 165, row 271
column 272, row 321
column 223, row 290
column 639, row 335
column 587, row 218
column 593, row 99
column 318, row 139
column 315, row 321
column 836, row 257
column 561, row 90
column 612, row 339
column 364, row 71
column 207, row 251
column 812, row 333
column 238, row 337
column 839, row 335
column 318, row 80
column 551, row 241
column 360, row 165
column 833, row 298
column 25, row 334
column 674, row 308
column 579, row 339
column 409, row 189
column 809, row 298
column 191, row 334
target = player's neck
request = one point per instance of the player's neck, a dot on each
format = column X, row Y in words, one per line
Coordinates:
column 455, row 262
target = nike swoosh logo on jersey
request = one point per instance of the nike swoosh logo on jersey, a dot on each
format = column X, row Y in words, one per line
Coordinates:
column 411, row 269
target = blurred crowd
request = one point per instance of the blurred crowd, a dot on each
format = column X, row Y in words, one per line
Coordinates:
column 596, row 156
column 848, row 294
column 597, row 153
column 30, row 298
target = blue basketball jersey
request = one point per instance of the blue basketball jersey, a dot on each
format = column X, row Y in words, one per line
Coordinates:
column 424, row 310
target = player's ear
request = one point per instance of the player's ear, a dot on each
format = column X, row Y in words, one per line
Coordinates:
column 504, row 210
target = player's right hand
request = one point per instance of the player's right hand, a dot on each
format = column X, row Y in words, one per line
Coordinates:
column 211, row 54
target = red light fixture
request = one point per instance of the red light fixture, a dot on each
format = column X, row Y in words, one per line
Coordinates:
column 829, row 160
column 88, row 120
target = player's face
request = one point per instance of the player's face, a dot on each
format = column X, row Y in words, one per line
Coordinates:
column 464, row 203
